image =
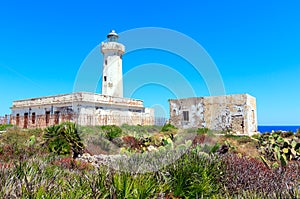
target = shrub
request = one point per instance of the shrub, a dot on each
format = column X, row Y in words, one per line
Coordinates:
column 199, row 139
column 287, row 134
column 201, row 131
column 168, row 128
column 72, row 164
column 111, row 131
column 244, row 139
column 131, row 142
column 194, row 175
column 139, row 130
column 249, row 174
column 17, row 144
column 157, row 140
column 63, row 139
column 3, row 127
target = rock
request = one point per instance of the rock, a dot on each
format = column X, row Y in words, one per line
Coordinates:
column 151, row 148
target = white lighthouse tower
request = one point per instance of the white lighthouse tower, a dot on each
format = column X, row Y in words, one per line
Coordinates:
column 112, row 80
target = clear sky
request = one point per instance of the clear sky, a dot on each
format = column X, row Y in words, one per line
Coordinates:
column 254, row 44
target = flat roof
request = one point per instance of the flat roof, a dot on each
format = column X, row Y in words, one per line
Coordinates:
column 229, row 95
column 77, row 97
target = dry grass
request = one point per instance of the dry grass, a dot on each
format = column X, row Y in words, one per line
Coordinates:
column 241, row 145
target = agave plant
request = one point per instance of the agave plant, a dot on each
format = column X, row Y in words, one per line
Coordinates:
column 63, row 139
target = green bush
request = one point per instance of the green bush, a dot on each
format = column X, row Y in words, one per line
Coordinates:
column 194, row 175
column 63, row 139
column 3, row 127
column 111, row 131
column 138, row 130
column 201, row 131
column 168, row 128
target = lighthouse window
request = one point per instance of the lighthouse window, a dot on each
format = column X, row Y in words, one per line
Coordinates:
column 105, row 78
column 121, row 56
column 106, row 62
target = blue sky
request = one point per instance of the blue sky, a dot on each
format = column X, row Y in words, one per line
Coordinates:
column 254, row 44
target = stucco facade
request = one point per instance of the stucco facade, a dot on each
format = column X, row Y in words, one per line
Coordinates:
column 236, row 112
column 82, row 108
column 112, row 76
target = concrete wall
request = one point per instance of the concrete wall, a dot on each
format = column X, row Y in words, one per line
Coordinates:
column 73, row 98
column 82, row 108
column 236, row 112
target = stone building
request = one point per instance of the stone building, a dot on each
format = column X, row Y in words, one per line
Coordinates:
column 236, row 112
column 85, row 108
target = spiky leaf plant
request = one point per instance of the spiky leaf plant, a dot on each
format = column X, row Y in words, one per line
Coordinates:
column 63, row 139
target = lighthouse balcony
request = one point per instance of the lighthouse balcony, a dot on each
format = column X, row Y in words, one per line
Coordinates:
column 108, row 46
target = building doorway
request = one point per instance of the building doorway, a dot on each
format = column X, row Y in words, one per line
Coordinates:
column 47, row 117
column 18, row 119
column 238, row 123
column 56, row 117
column 25, row 121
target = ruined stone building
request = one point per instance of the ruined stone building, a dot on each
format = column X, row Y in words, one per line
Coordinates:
column 85, row 108
column 235, row 112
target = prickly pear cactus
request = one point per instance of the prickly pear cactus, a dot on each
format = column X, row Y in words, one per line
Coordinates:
column 275, row 147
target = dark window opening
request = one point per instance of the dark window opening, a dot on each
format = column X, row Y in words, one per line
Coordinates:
column 33, row 118
column 47, row 117
column 25, row 120
column 17, row 119
column 185, row 116
column 105, row 78
column 134, row 110
column 56, row 117
column 121, row 56
column 106, row 62
column 174, row 111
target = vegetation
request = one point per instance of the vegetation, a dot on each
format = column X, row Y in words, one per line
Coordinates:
column 279, row 146
column 41, row 163
column 3, row 127
column 112, row 132
column 63, row 139
column 250, row 175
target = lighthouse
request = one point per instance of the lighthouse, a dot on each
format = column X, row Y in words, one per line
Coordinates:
column 112, row 78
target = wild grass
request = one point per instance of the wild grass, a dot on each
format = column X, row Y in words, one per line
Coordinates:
column 28, row 170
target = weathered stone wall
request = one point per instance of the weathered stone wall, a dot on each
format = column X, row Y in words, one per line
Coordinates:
column 236, row 112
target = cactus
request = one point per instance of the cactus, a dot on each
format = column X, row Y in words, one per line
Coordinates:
column 264, row 161
column 275, row 147
column 283, row 160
